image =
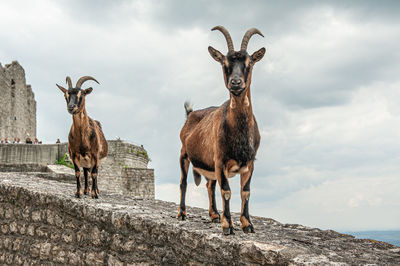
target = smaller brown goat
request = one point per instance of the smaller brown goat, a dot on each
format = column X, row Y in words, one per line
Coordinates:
column 87, row 145
column 221, row 142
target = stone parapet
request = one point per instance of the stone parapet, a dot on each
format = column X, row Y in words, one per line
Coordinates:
column 42, row 223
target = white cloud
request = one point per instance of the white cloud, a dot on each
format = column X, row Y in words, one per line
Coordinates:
column 350, row 203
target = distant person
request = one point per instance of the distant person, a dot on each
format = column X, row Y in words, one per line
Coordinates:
column 2, row 141
column 28, row 140
column 40, row 142
column 15, row 140
column 58, row 141
column 18, row 141
column 36, row 141
column 6, row 141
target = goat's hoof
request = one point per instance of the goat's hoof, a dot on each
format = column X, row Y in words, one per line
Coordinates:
column 216, row 220
column 86, row 192
column 228, row 231
column 248, row 229
column 181, row 216
column 77, row 195
column 95, row 197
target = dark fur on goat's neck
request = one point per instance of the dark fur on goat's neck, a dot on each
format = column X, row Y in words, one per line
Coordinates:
column 239, row 130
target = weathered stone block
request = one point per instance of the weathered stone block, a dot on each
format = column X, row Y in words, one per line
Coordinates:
column 68, row 237
column 30, row 230
column 36, row 216
column 42, row 231
column 7, row 243
column 9, row 258
column 59, row 255
column 18, row 260
column 9, row 213
column 93, row 258
column 4, row 229
column 22, row 228
column 13, row 227
column 17, row 244
column 75, row 258
column 35, row 250
column 114, row 261
column 45, row 250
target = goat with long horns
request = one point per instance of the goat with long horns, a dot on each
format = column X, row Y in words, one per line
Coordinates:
column 87, row 145
column 221, row 142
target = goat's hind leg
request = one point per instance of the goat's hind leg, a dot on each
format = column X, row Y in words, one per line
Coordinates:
column 212, row 211
column 184, row 164
column 86, row 173
column 95, row 191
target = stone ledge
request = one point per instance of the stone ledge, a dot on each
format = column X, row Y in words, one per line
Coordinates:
column 40, row 220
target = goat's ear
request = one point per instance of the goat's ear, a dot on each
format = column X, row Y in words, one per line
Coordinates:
column 258, row 55
column 64, row 90
column 215, row 54
column 88, row 90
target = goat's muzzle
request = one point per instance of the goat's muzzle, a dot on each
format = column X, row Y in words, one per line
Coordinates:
column 72, row 109
column 236, row 86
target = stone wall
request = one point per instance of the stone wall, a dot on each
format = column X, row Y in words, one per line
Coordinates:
column 138, row 181
column 124, row 171
column 30, row 153
column 17, row 104
column 42, row 223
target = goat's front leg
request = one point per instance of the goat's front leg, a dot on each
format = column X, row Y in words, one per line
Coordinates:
column 212, row 211
column 245, row 178
column 226, row 220
column 86, row 173
column 184, row 164
column 78, row 192
column 93, row 172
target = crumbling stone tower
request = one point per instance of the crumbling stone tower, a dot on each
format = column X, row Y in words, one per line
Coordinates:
column 17, row 104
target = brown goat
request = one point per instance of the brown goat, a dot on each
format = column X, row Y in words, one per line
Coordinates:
column 221, row 142
column 87, row 145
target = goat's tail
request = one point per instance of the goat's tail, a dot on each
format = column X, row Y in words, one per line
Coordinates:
column 188, row 108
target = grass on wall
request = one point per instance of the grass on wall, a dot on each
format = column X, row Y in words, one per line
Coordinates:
column 64, row 161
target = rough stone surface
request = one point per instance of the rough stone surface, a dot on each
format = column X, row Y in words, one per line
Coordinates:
column 17, row 104
column 121, row 230
column 124, row 171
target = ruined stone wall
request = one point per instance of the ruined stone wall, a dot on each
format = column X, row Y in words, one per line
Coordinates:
column 113, row 173
column 41, row 223
column 124, row 171
column 138, row 181
column 17, row 104
column 30, row 153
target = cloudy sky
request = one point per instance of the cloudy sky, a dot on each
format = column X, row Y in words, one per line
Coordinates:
column 326, row 95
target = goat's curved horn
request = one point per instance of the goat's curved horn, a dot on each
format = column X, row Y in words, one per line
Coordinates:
column 83, row 79
column 227, row 36
column 247, row 37
column 69, row 82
